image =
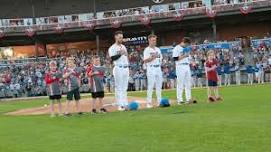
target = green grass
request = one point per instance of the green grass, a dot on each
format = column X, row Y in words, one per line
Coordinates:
column 242, row 123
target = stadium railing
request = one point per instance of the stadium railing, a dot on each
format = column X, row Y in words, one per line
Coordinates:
column 100, row 23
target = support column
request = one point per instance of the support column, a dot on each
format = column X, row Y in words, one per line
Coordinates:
column 46, row 51
column 152, row 31
column 33, row 13
column 94, row 9
column 97, row 44
column 40, row 45
column 162, row 39
column 36, row 49
column 214, row 29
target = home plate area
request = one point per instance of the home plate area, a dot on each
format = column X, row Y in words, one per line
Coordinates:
column 86, row 106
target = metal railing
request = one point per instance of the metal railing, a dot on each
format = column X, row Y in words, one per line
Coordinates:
column 135, row 18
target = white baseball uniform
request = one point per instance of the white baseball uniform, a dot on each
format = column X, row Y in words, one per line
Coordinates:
column 237, row 75
column 120, row 73
column 142, row 78
column 137, row 81
column 154, row 73
column 183, row 73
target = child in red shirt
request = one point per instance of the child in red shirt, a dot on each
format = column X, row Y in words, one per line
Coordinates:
column 95, row 72
column 52, row 79
column 211, row 74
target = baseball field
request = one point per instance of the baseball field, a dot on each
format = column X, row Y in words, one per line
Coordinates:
column 241, row 123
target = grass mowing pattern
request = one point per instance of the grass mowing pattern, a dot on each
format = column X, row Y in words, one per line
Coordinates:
column 241, row 123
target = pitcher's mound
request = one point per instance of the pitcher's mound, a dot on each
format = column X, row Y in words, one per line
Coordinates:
column 85, row 105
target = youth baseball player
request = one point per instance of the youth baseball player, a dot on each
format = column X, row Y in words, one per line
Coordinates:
column 227, row 73
column 237, row 74
column 137, row 80
column 142, row 78
column 219, row 73
column 260, row 74
column 182, row 60
column 119, row 56
column 153, row 59
column 250, row 73
column 199, row 78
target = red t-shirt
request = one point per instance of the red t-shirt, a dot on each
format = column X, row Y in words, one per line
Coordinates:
column 49, row 77
column 212, row 75
column 7, row 78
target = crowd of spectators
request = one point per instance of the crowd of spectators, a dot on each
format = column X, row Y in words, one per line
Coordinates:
column 167, row 7
column 27, row 79
column 220, row 2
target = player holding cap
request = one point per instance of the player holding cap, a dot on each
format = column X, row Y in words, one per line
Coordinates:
column 119, row 56
column 153, row 59
column 182, row 59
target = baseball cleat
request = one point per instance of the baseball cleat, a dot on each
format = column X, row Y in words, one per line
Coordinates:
column 120, row 108
column 211, row 99
column 103, row 110
column 192, row 101
column 61, row 114
column 180, row 103
column 94, row 111
column 219, row 99
column 67, row 114
column 188, row 102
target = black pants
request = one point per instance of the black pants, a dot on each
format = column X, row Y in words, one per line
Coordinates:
column 131, row 87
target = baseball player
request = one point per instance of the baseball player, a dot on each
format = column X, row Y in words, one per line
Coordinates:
column 172, row 77
column 260, row 74
column 220, row 72
column 237, row 74
column 199, row 78
column 227, row 74
column 182, row 60
column 131, row 82
column 137, row 80
column 250, row 72
column 153, row 59
column 194, row 69
column 52, row 79
column 142, row 78
column 119, row 56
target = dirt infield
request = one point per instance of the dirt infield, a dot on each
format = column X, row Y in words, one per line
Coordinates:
column 85, row 107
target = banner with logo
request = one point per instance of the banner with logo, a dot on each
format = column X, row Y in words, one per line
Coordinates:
column 136, row 40
column 261, row 42
column 202, row 47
